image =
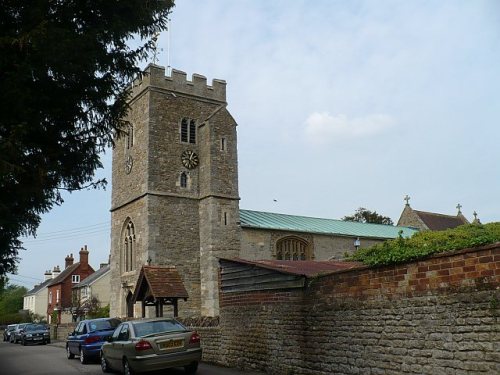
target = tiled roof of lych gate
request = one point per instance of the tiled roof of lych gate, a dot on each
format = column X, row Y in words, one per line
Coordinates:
column 436, row 221
column 268, row 220
column 90, row 279
column 308, row 268
column 163, row 281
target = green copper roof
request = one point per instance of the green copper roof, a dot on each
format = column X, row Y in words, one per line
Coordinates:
column 268, row 220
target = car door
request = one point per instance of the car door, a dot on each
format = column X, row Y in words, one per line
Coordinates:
column 112, row 350
column 73, row 344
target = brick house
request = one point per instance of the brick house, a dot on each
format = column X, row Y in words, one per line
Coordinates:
column 60, row 288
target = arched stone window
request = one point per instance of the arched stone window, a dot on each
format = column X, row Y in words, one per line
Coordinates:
column 184, row 180
column 130, row 136
column 293, row 248
column 128, row 254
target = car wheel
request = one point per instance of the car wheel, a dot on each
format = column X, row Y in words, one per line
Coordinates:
column 104, row 364
column 126, row 368
column 83, row 357
column 23, row 341
column 191, row 368
column 69, row 355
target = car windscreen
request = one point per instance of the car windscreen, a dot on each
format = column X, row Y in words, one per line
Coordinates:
column 159, row 326
column 102, row 325
column 35, row 327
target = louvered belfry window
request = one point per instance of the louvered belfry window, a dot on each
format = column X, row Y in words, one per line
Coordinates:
column 188, row 131
column 292, row 248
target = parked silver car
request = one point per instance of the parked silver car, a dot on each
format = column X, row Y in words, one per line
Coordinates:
column 6, row 334
column 151, row 345
column 15, row 335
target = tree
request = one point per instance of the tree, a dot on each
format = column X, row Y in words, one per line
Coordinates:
column 366, row 216
column 11, row 301
column 65, row 71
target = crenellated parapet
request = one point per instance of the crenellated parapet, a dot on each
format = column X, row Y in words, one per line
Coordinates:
column 154, row 75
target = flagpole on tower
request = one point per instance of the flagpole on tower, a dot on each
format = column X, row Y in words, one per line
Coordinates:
column 169, row 30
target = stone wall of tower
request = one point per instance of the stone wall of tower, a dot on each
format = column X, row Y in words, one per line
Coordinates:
column 191, row 226
column 128, row 202
column 122, row 282
column 174, row 240
column 220, row 233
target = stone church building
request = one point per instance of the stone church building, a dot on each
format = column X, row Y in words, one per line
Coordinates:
column 175, row 200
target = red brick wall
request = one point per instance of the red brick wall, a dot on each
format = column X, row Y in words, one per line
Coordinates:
column 439, row 315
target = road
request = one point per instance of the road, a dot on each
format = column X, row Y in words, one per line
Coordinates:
column 51, row 360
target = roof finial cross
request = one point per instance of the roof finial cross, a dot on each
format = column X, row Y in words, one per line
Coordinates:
column 407, row 199
column 459, row 206
column 475, row 215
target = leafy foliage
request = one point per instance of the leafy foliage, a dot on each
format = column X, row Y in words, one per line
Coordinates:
column 426, row 243
column 65, row 70
column 11, row 301
column 363, row 215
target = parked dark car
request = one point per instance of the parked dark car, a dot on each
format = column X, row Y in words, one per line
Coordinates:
column 15, row 335
column 35, row 334
column 150, row 345
column 87, row 338
column 8, row 331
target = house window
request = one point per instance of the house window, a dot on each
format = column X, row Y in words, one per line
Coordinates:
column 184, row 180
column 292, row 248
column 58, row 297
column 188, row 131
column 128, row 247
column 75, row 279
column 50, row 297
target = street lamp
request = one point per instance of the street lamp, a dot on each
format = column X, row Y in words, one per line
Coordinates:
column 357, row 243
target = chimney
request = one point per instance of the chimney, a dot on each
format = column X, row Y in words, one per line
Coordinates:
column 68, row 261
column 84, row 256
column 55, row 272
column 47, row 275
column 102, row 265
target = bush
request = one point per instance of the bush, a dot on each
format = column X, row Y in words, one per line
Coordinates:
column 425, row 243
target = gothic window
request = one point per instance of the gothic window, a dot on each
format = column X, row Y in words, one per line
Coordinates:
column 188, row 131
column 223, row 144
column 292, row 248
column 128, row 253
column 130, row 136
column 184, row 180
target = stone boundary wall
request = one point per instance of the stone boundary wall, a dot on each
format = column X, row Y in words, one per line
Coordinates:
column 209, row 330
column 61, row 331
column 435, row 316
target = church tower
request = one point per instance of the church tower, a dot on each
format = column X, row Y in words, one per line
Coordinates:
column 175, row 188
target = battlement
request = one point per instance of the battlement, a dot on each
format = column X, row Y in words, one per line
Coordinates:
column 177, row 82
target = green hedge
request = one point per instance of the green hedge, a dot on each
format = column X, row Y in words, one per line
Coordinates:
column 426, row 243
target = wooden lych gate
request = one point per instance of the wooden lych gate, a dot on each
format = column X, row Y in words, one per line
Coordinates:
column 159, row 286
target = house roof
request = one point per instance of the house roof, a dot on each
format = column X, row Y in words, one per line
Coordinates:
column 436, row 221
column 161, row 282
column 94, row 277
column 38, row 287
column 64, row 274
column 274, row 221
column 308, row 268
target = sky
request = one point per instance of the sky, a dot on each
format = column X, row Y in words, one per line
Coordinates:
column 339, row 105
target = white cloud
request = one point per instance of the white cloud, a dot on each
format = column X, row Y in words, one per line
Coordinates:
column 325, row 128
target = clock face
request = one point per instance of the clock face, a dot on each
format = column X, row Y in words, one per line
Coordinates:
column 128, row 164
column 189, row 159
